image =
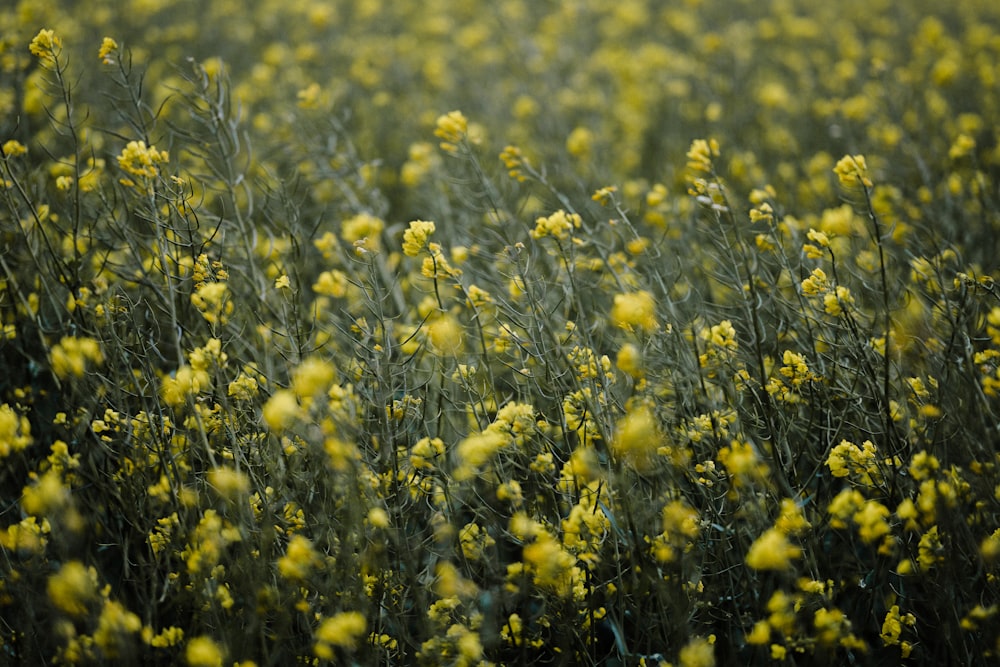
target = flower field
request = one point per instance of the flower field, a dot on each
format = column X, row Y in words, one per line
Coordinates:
column 579, row 332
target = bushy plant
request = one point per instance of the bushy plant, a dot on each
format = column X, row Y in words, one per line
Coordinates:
column 679, row 343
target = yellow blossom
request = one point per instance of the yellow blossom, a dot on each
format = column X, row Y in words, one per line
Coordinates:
column 445, row 335
column 364, row 231
column 331, row 283
column 46, row 45
column 281, row 410
column 698, row 653
column 107, row 50
column 228, row 482
column 852, row 170
column 15, row 431
column 629, row 360
column 415, row 237
column 451, row 128
column 312, row 376
column 114, row 627
column 137, row 159
column 213, row 302
column 559, row 225
column 637, row 438
column 12, row 148
column 299, row 559
column 700, row 155
column 203, row 652
column 772, row 551
column 73, row 588
column 71, row 355
column 579, row 142
column 343, row 630
column 634, row 311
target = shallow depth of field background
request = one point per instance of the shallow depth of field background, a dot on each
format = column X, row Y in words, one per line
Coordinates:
column 470, row 333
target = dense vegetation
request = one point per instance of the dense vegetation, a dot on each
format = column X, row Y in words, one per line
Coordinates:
column 454, row 333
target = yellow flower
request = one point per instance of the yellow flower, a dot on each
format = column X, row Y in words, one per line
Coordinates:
column 331, row 283
column 629, row 360
column 299, row 559
column 451, row 128
column 114, row 627
column 791, row 521
column 47, row 494
column 363, row 231
column 213, row 302
column 312, row 376
column 415, row 237
column 136, row 159
column 815, row 283
column 635, row 310
column 70, row 356
column 930, row 549
column 852, row 170
column 445, row 336
column 15, row 431
column 700, row 155
column 474, row 541
column 343, row 631
column 378, row 518
column 772, row 551
column 72, row 588
column 12, row 148
column 228, row 482
column 871, row 520
column 760, row 635
column 281, row 410
column 476, row 450
column 698, row 653
column 637, row 438
column 108, row 48
column 559, row 225
column 46, row 45
column 203, row 652
column 579, row 142
column 552, row 564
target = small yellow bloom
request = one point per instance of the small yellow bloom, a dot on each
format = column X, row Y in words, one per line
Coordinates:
column 637, row 438
column 137, row 159
column 12, row 148
column 772, row 551
column 281, row 410
column 73, row 588
column 46, row 45
column 852, row 170
column 451, row 128
column 203, row 652
column 415, row 237
column 299, row 559
column 15, row 431
column 700, row 155
column 343, row 630
column 228, row 482
column 635, row 311
column 579, row 142
column 313, row 376
column 559, row 225
column 697, row 653
column 331, row 283
column 108, row 48
column 445, row 336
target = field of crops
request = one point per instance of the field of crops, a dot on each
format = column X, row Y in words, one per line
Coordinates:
column 533, row 332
